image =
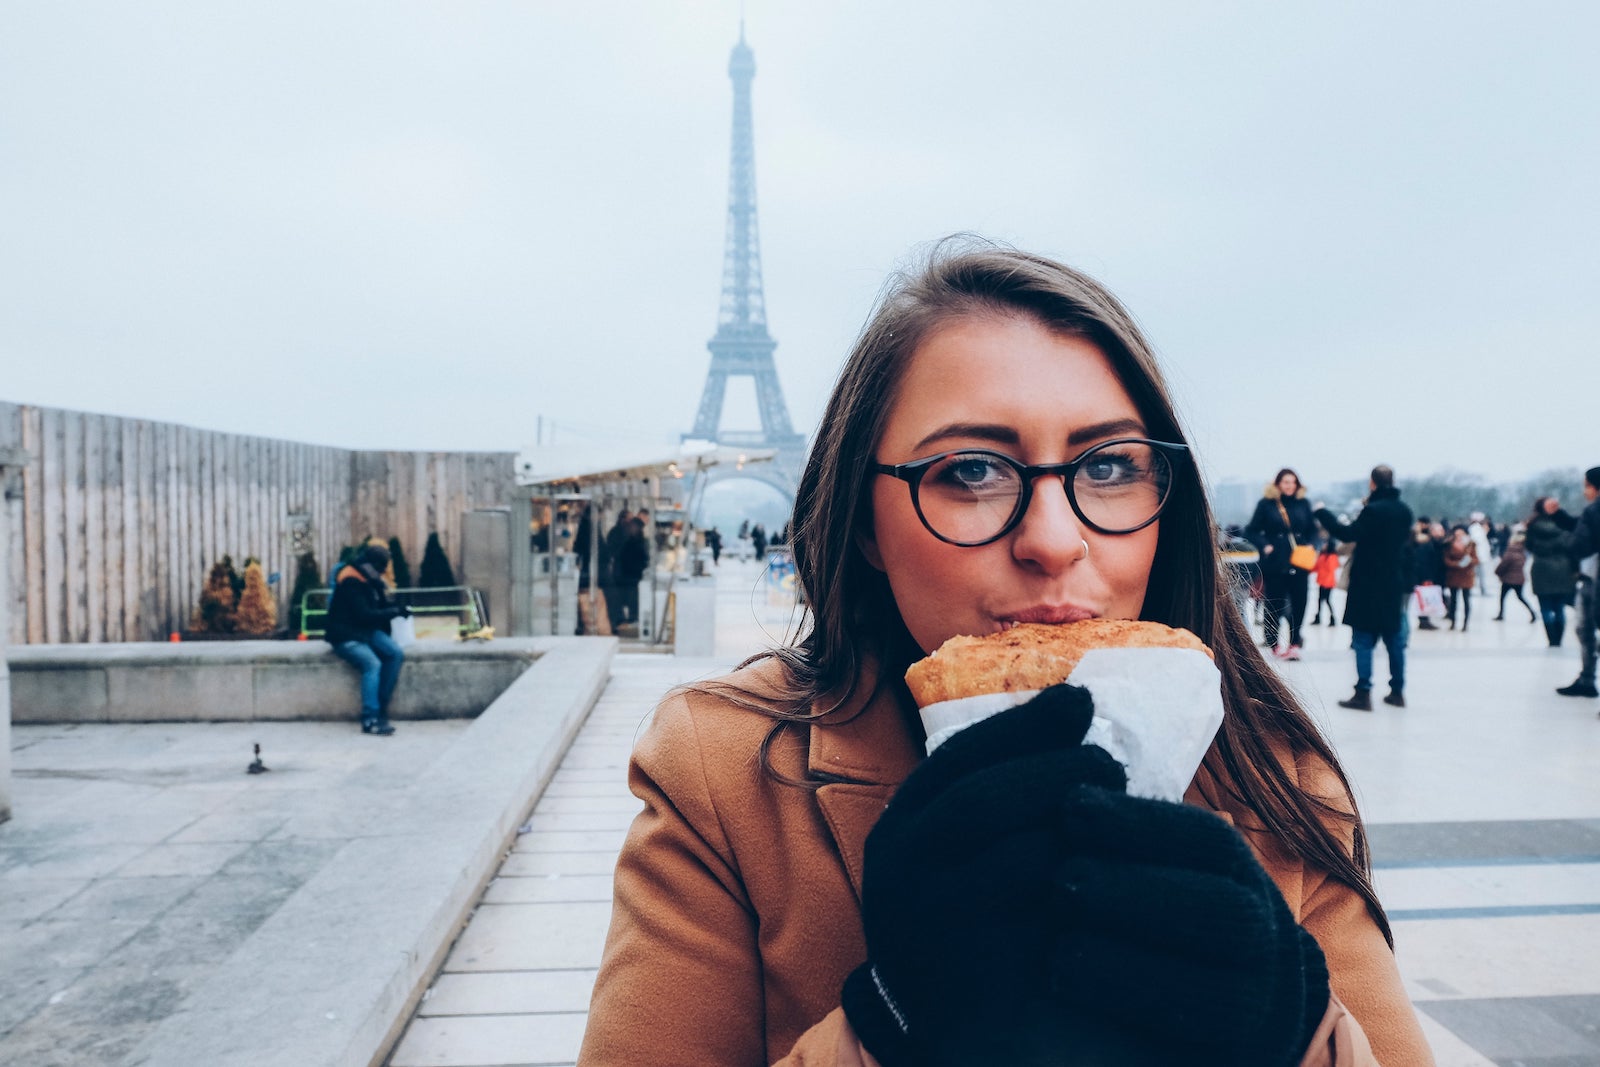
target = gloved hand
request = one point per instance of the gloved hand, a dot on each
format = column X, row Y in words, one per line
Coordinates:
column 1020, row 908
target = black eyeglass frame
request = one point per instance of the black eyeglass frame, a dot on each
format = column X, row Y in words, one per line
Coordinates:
column 912, row 473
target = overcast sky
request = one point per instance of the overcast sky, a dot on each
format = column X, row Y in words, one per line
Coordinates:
column 1354, row 232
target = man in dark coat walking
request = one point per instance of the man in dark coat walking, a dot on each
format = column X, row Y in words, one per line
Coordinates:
column 1585, row 549
column 1380, row 580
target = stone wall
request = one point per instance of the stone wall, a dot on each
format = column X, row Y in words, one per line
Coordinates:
column 252, row 681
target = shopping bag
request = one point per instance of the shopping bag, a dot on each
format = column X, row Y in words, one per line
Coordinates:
column 403, row 629
column 1429, row 600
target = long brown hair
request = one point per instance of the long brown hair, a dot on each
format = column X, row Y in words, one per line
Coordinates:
column 852, row 612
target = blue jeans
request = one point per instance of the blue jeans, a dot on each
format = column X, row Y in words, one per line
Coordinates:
column 1364, row 641
column 379, row 660
column 1554, row 610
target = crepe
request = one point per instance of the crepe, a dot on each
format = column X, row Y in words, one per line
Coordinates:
column 1030, row 656
column 1156, row 690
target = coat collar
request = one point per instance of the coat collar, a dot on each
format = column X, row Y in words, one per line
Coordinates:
column 869, row 738
column 870, row 743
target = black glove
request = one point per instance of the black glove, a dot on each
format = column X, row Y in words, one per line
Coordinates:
column 1020, row 908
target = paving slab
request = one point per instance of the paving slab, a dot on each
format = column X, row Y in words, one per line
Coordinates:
column 509, row 993
column 490, row 1040
column 548, row 889
column 532, row 937
column 1526, row 1030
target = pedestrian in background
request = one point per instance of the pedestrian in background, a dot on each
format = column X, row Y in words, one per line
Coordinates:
column 1460, row 574
column 1244, row 565
column 1327, row 573
column 1426, row 562
column 1585, row 551
column 359, row 616
column 1281, row 523
column 610, row 585
column 1554, row 574
column 1478, row 527
column 1512, row 570
column 1381, row 579
column 630, row 564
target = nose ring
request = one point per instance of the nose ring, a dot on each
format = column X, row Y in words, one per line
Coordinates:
column 1085, row 552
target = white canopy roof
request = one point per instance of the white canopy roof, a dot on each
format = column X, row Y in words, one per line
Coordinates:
column 591, row 464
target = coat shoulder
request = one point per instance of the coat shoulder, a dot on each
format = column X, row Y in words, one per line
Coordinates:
column 715, row 729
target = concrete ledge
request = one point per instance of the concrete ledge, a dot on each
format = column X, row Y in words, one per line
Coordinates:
column 331, row 978
column 252, row 680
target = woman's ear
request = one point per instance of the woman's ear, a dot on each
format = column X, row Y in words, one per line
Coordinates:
column 869, row 548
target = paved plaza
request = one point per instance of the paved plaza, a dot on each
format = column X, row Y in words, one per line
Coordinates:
column 142, row 856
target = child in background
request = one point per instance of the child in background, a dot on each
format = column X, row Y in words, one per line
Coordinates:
column 1327, row 572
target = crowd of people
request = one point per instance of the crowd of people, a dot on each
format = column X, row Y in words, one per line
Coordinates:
column 1551, row 548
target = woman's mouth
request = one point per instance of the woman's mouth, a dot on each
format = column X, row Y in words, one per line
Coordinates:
column 1046, row 613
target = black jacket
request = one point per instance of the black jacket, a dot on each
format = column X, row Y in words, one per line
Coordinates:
column 1585, row 540
column 1554, row 574
column 632, row 557
column 1268, row 529
column 360, row 606
column 1381, row 565
column 1428, row 565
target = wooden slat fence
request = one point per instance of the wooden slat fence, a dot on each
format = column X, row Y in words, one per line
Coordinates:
column 118, row 520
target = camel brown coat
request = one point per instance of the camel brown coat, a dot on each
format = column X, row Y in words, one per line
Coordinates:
column 737, row 898
column 1460, row 565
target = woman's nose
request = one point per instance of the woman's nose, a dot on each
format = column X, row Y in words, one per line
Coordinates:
column 1050, row 535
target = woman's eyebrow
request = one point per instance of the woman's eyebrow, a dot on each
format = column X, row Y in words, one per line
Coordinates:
column 1109, row 428
column 1000, row 434
column 983, row 431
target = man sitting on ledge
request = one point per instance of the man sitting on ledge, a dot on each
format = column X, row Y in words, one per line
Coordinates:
column 358, row 630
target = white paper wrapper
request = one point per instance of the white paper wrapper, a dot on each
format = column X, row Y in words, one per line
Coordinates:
column 1155, row 710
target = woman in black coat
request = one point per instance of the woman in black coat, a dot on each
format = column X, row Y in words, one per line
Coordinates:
column 1281, row 521
column 1553, row 572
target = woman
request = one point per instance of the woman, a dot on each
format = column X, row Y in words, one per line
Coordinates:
column 1460, row 574
column 1555, row 575
column 754, row 919
column 1513, row 574
column 1327, row 573
column 1282, row 520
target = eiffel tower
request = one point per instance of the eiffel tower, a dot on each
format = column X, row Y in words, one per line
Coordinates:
column 742, row 345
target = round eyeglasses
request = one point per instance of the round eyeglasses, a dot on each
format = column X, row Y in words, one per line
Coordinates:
column 975, row 496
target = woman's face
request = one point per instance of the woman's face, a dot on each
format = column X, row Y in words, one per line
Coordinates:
column 1288, row 485
column 1005, row 383
column 1551, row 505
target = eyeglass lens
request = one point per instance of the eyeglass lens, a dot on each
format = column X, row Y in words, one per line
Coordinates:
column 973, row 496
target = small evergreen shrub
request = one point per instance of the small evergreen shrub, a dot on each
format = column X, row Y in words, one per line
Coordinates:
column 258, row 608
column 306, row 578
column 435, row 572
column 398, row 564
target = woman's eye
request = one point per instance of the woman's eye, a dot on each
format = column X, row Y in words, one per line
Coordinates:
column 973, row 472
column 1111, row 469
